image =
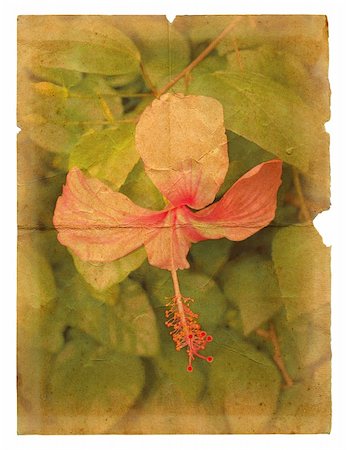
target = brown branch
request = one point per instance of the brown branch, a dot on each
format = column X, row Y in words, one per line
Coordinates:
column 199, row 58
column 271, row 336
column 303, row 206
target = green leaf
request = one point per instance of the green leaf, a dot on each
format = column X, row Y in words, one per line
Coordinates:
column 33, row 366
column 316, row 184
column 92, row 104
column 34, row 271
column 39, row 334
column 101, row 279
column 141, row 190
column 50, row 136
column 62, row 77
column 267, row 113
column 208, row 301
column 164, row 50
column 285, row 68
column 135, row 324
column 212, row 63
column 128, row 326
column 302, row 264
column 210, row 256
column 108, row 154
column 102, row 276
column 250, row 282
column 40, row 325
column 168, row 411
column 94, row 85
column 286, row 215
column 91, row 388
column 81, row 43
column 243, row 156
column 312, row 336
column 303, row 35
column 304, row 341
column 55, row 117
column 306, row 407
column 202, row 29
column 171, row 365
column 38, row 185
column 245, row 381
column 87, row 313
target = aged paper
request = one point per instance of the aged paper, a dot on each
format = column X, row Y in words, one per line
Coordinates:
column 170, row 278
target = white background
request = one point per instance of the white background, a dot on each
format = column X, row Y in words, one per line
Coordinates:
column 332, row 224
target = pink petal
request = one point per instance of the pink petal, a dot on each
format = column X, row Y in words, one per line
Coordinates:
column 182, row 142
column 98, row 224
column 168, row 245
column 246, row 207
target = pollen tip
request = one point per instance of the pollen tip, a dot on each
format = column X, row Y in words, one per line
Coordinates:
column 203, row 334
column 209, row 338
column 189, row 368
column 210, row 359
column 190, row 336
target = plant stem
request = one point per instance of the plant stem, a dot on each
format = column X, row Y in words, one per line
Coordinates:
column 175, row 283
column 271, row 335
column 178, row 298
column 199, row 58
column 303, row 207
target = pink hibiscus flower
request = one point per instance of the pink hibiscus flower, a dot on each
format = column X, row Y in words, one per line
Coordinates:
column 182, row 142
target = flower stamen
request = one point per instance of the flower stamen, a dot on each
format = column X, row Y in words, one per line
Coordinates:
column 186, row 331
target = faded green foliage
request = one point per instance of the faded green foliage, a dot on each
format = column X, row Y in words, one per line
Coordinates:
column 172, row 51
column 209, row 301
column 62, row 77
column 281, row 66
column 305, row 408
column 169, row 366
column 305, row 288
column 79, row 43
column 210, row 256
column 243, row 156
column 99, row 152
column 160, row 414
column 245, row 382
column 40, row 326
column 128, row 325
column 94, row 354
column 139, row 188
column 102, row 276
column 81, row 392
column 272, row 115
column 250, row 283
column 34, row 270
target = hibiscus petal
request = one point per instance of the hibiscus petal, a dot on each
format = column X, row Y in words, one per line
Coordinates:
column 168, row 245
column 246, row 207
column 98, row 224
column 183, row 144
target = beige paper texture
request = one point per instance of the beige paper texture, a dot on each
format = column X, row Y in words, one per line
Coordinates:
column 145, row 124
